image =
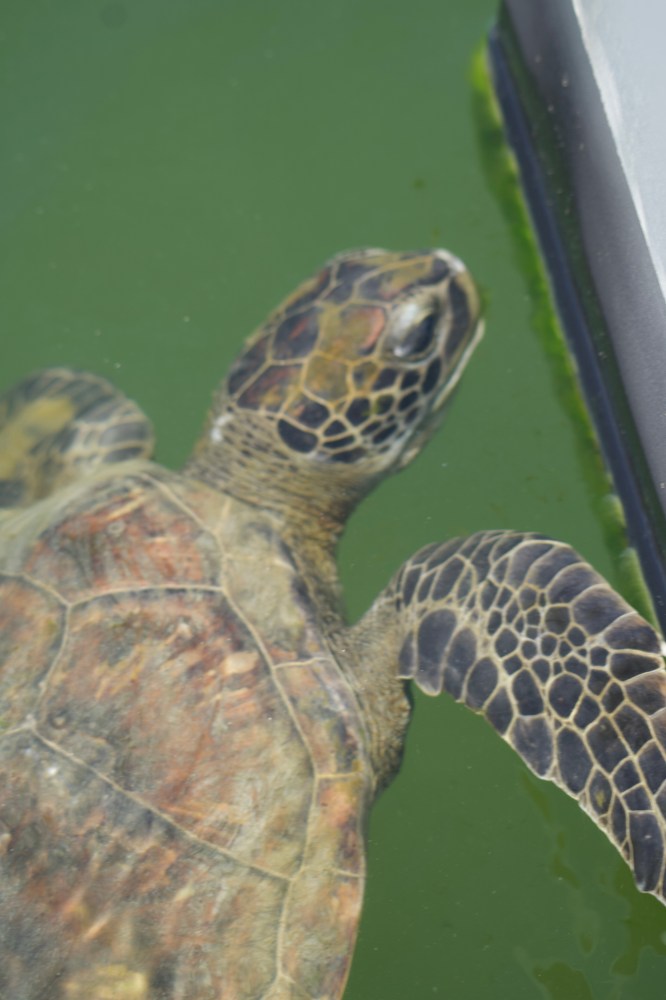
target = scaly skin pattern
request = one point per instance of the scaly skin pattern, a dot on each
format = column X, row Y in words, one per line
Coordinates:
column 522, row 630
column 191, row 736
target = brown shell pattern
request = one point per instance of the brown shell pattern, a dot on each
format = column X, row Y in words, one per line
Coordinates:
column 183, row 792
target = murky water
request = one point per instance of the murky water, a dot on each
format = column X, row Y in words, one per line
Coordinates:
column 169, row 171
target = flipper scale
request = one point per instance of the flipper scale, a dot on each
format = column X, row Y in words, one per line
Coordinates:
column 521, row 629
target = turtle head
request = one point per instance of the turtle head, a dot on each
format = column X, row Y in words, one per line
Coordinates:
column 348, row 376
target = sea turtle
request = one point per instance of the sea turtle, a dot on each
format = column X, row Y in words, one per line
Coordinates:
column 192, row 735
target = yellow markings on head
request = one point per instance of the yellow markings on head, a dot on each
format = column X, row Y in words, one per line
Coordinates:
column 326, row 378
column 378, row 406
column 352, row 331
column 365, row 375
column 36, row 420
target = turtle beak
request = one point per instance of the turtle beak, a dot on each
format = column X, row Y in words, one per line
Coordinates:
column 447, row 388
column 441, row 400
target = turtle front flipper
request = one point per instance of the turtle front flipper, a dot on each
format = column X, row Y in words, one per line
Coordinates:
column 58, row 424
column 521, row 629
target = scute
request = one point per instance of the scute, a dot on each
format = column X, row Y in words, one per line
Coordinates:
column 93, row 879
column 322, row 924
column 153, row 690
column 121, row 535
column 182, row 763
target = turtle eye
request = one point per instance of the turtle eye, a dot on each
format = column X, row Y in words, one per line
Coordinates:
column 419, row 338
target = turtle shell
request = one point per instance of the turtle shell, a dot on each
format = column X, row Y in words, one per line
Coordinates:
column 183, row 773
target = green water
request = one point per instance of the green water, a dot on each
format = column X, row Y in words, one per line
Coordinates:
column 169, row 171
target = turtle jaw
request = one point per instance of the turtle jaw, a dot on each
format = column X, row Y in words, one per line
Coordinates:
column 448, row 387
column 438, row 411
column 457, row 345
